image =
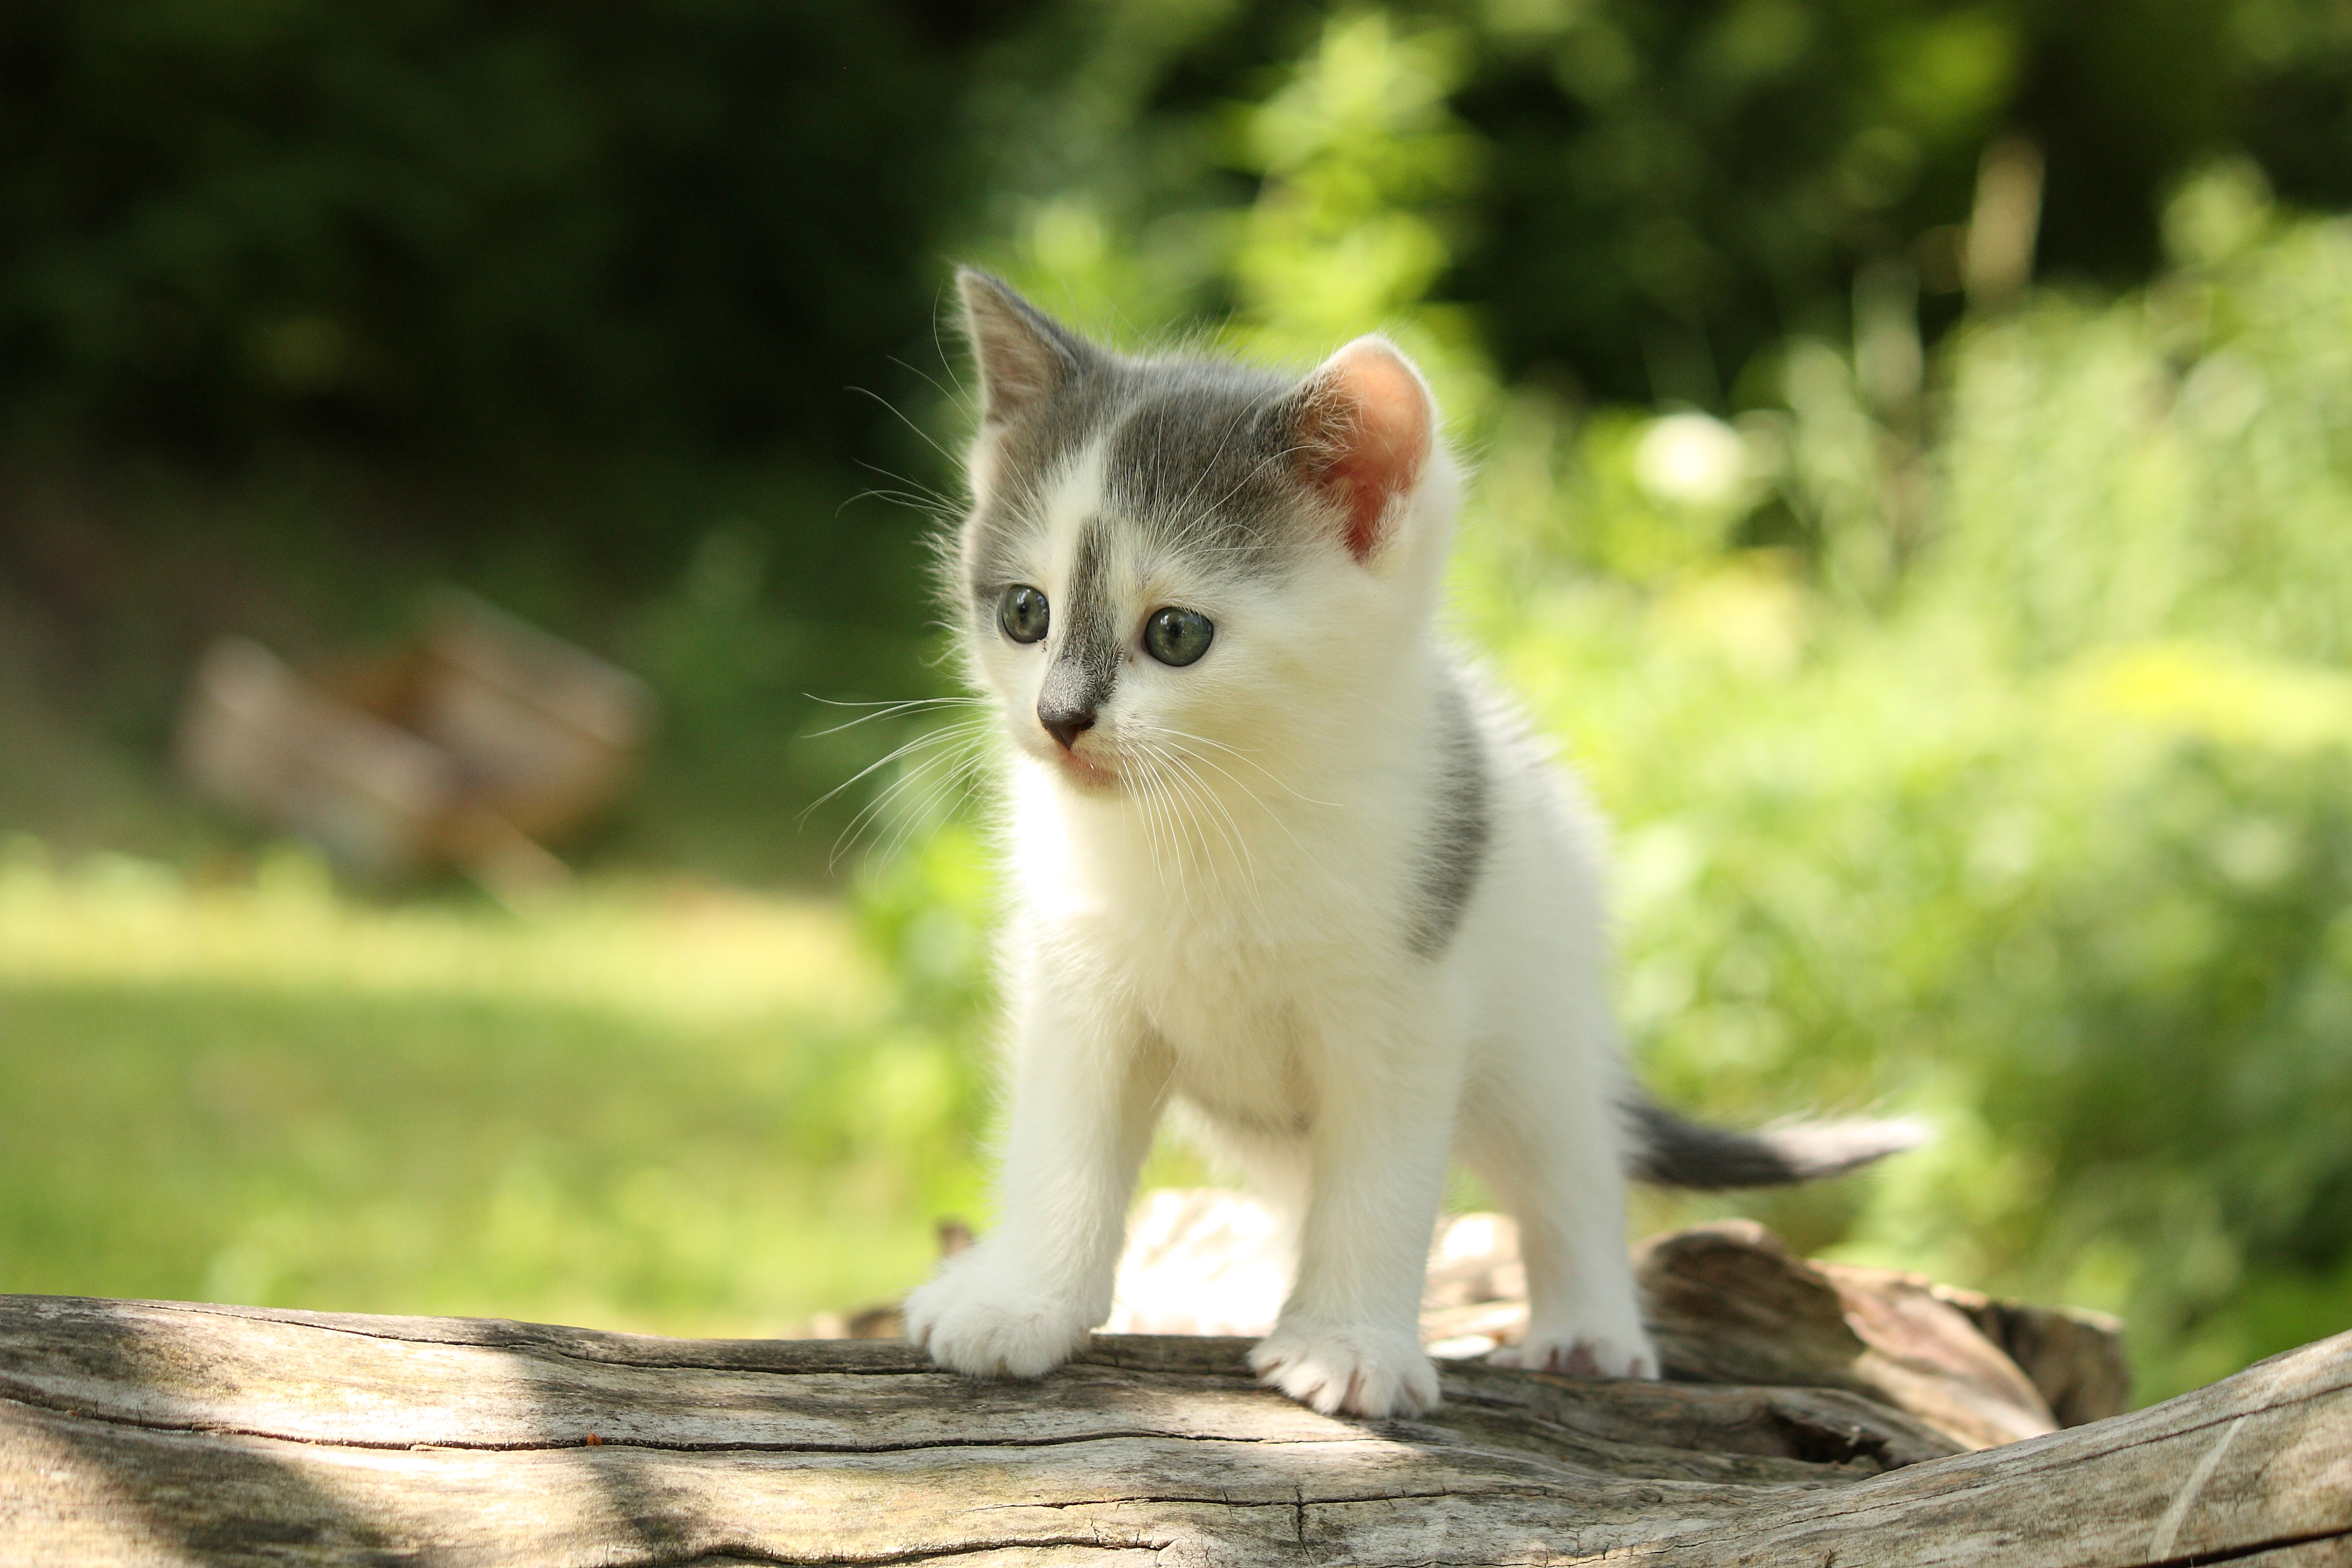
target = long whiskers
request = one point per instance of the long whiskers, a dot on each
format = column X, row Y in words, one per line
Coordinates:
column 929, row 439
column 928, row 738
column 890, row 710
column 1242, row 756
column 1240, row 784
column 1184, row 807
column 957, row 776
column 1227, row 827
column 1205, row 811
column 961, row 746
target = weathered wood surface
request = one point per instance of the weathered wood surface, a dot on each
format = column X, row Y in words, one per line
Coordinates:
column 144, row 1433
column 1727, row 1303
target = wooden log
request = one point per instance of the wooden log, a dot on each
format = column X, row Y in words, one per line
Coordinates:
column 152, row 1433
column 1728, row 1304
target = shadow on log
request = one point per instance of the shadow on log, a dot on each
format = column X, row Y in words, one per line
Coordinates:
column 155, row 1433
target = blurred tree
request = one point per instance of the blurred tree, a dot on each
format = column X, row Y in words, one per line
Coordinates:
column 472, row 237
column 1664, row 188
column 475, row 239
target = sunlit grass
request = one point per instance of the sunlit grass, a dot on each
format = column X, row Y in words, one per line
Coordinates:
column 651, row 1107
column 678, row 954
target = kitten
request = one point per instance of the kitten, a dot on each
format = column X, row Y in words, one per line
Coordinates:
column 1281, row 861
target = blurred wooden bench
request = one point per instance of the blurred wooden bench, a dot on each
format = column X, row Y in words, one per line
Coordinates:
column 475, row 744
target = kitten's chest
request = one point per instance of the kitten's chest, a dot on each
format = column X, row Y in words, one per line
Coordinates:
column 1237, row 957
column 1233, row 1017
column 1196, row 986
column 1233, row 989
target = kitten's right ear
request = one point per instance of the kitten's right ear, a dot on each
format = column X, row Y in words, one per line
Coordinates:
column 1026, row 356
column 1359, row 431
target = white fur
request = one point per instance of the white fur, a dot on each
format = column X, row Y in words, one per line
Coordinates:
column 1226, row 926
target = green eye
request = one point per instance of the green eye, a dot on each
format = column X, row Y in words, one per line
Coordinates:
column 1177, row 637
column 1023, row 614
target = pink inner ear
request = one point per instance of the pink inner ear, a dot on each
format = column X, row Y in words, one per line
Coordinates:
column 1373, row 436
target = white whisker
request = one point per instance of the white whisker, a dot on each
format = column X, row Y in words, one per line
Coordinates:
column 889, row 710
column 930, row 738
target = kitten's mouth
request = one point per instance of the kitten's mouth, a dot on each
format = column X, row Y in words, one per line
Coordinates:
column 1084, row 772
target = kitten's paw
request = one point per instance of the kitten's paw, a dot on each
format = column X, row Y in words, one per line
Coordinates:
column 975, row 1320
column 1581, row 1355
column 1364, row 1371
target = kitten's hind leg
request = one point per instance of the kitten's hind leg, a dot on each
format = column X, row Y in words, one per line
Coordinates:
column 1553, row 1155
column 1275, row 1167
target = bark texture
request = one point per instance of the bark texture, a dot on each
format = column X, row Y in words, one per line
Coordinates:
column 154, row 1433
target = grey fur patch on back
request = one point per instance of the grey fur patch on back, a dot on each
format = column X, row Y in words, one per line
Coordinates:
column 1460, row 828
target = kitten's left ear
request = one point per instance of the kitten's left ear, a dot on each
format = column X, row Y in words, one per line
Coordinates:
column 1359, row 430
column 1026, row 356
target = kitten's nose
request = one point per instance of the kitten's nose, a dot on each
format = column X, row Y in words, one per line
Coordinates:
column 1066, row 724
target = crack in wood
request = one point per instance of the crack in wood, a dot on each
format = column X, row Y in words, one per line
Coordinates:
column 557, row 1444
column 1995, row 1468
column 2168, row 1529
column 733, row 1555
column 1300, row 1503
column 2240, row 1553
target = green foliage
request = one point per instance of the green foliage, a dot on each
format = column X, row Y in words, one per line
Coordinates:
column 2208, row 498
column 1640, row 197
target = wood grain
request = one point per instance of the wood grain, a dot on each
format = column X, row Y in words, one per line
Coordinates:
column 152, row 1433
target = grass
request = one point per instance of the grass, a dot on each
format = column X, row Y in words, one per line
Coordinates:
column 663, row 1107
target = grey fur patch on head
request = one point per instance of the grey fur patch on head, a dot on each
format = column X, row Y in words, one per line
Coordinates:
column 1086, row 656
column 1461, row 825
column 1033, row 440
column 1200, row 456
column 1200, row 460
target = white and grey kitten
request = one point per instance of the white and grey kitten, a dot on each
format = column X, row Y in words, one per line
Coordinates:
column 1280, row 861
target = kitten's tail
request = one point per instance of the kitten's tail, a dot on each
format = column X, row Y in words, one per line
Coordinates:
column 1673, row 1153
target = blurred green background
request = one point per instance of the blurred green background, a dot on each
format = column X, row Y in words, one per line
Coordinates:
column 1915, row 453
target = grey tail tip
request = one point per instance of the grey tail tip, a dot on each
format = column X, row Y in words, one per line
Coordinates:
column 1670, row 1151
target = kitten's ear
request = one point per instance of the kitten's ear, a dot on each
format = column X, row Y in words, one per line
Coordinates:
column 1359, row 429
column 1026, row 356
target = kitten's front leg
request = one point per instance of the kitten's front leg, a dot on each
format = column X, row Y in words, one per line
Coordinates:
column 1020, row 1302
column 1350, row 1334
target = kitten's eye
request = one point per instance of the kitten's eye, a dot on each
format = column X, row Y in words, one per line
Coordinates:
column 1177, row 637
column 1023, row 614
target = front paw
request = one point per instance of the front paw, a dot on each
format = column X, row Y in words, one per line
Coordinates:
column 1362, row 1370
column 1578, row 1354
column 976, row 1320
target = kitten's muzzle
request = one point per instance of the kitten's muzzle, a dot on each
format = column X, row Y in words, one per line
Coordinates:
column 1076, row 686
column 1066, row 723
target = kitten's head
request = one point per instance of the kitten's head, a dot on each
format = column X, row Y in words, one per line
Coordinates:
column 1191, row 566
